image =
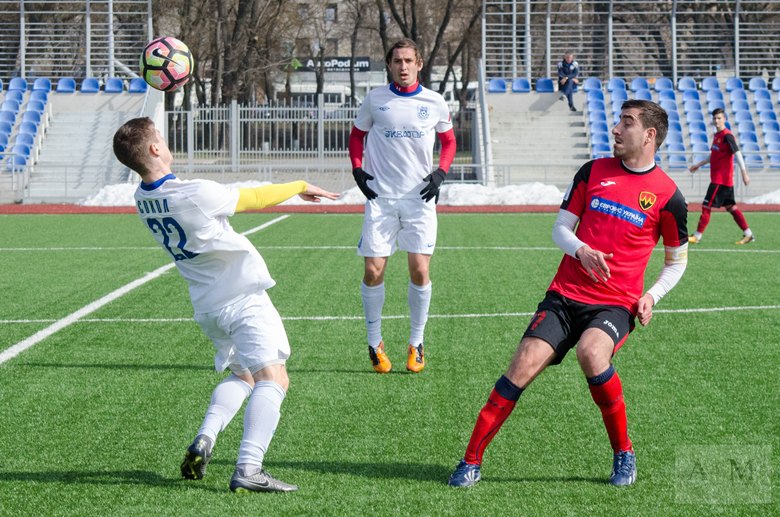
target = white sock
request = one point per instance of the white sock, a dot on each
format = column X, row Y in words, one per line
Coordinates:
column 697, row 235
column 373, row 301
column 226, row 399
column 260, row 420
column 748, row 233
column 419, row 302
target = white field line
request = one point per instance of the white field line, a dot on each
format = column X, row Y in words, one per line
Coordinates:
column 57, row 325
column 400, row 316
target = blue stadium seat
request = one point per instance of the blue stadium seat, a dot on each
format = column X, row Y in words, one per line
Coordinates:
column 748, row 137
column 639, row 83
column 756, row 83
column 773, row 147
column 754, row 160
column 90, row 85
column 678, row 161
column 32, row 116
column 734, row 83
column 746, row 125
column 601, row 151
column 618, row 95
column 114, row 85
column 591, row 84
column 698, row 137
column 16, row 163
column 35, row 106
column 66, row 85
column 643, row 94
column 674, row 137
column 40, row 96
column 766, row 116
column 710, row 83
column 595, row 94
column 770, row 125
column 686, row 83
column 713, row 105
column 519, row 85
column 691, row 106
column 10, row 105
column 776, row 84
column 615, row 84
column 700, row 152
column 668, row 105
column 28, row 127
column 24, row 138
column 21, row 150
column 751, row 147
column 3, row 141
column 673, row 116
column 17, row 83
column 599, row 138
column 742, row 115
column 674, row 125
column 42, row 84
column 138, row 85
column 8, row 116
column 764, row 105
column 667, row 95
column 772, row 137
column 15, row 95
column 496, row 85
column 599, row 126
column 774, row 160
column 675, row 147
column 5, row 127
column 597, row 116
column 697, row 126
column 691, row 95
column 596, row 105
column 714, row 95
column 545, row 85
column 737, row 95
column 740, row 105
column 663, row 83
column 762, row 95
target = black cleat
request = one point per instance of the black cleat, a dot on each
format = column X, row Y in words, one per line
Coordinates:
column 196, row 458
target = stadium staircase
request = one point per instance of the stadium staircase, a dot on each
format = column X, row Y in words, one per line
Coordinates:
column 536, row 138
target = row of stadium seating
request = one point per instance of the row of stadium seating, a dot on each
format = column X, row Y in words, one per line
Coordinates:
column 68, row 85
column 24, row 118
column 694, row 117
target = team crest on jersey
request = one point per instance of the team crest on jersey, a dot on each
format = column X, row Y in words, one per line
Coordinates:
column 646, row 200
column 422, row 112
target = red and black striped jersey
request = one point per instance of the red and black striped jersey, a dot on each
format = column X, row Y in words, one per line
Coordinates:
column 624, row 213
column 724, row 146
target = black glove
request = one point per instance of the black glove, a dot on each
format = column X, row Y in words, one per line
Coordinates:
column 361, row 178
column 434, row 180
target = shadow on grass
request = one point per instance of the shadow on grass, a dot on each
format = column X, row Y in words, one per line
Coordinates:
column 548, row 479
column 415, row 471
column 116, row 477
column 188, row 367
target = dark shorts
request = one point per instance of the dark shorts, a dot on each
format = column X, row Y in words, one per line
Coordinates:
column 718, row 196
column 561, row 321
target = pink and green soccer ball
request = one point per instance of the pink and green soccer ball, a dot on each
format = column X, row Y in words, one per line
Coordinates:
column 166, row 64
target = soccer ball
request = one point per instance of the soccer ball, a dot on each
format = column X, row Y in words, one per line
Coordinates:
column 166, row 64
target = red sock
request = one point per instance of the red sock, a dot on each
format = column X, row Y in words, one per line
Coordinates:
column 490, row 419
column 736, row 213
column 608, row 396
column 704, row 220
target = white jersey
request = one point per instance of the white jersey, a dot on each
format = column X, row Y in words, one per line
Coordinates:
column 189, row 218
column 401, row 130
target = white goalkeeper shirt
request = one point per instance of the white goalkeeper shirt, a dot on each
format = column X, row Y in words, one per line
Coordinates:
column 189, row 218
column 401, row 130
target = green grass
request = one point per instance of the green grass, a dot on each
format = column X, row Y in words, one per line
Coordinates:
column 95, row 418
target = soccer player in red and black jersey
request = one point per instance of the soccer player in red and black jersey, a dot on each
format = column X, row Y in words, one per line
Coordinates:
column 620, row 207
column 721, row 190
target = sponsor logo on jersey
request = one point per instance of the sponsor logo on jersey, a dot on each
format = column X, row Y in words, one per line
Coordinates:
column 647, row 200
column 607, row 183
column 406, row 133
column 615, row 209
column 422, row 112
column 384, row 108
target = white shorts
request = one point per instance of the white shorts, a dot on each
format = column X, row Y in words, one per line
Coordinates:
column 409, row 224
column 249, row 335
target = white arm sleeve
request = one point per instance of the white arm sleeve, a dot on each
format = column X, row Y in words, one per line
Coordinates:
column 563, row 233
column 674, row 267
column 740, row 161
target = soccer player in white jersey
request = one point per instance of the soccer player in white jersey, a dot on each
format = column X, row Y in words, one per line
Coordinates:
column 399, row 123
column 227, row 281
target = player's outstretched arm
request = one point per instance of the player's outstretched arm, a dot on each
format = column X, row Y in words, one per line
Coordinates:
column 270, row 195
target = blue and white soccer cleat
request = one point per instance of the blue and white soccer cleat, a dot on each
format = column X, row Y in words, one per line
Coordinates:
column 465, row 475
column 623, row 469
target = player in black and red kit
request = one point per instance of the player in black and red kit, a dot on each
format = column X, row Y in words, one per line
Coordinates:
column 623, row 206
column 721, row 190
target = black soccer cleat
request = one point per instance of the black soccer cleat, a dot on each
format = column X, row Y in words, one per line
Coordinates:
column 197, row 458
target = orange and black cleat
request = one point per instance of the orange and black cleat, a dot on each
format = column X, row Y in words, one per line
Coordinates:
column 416, row 360
column 379, row 359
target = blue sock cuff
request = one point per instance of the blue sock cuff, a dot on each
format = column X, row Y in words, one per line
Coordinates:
column 603, row 377
column 507, row 389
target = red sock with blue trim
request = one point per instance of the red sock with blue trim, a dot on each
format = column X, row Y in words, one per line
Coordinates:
column 499, row 406
column 607, row 392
